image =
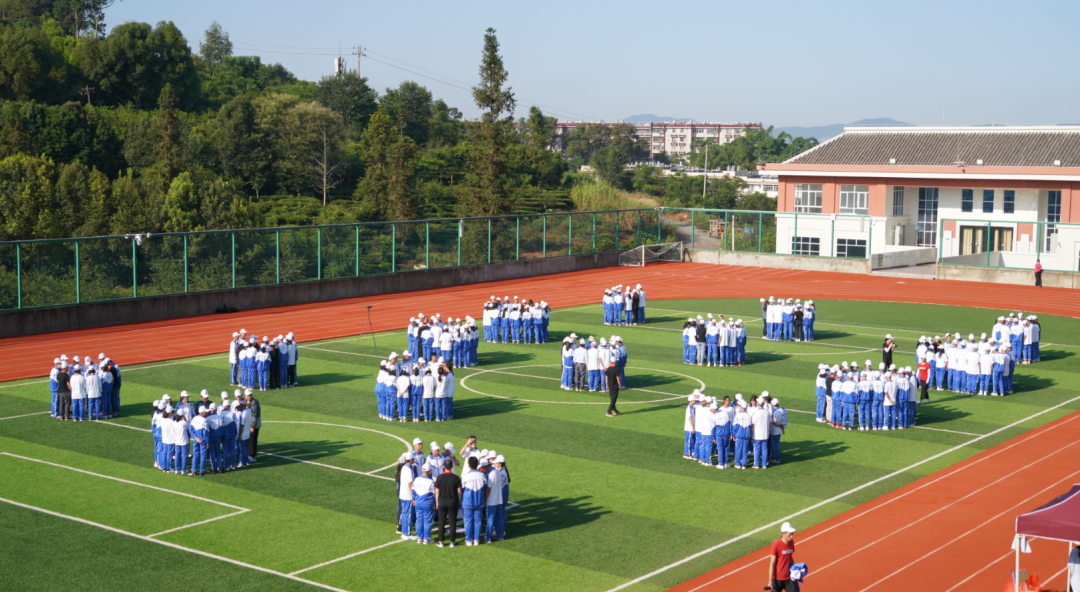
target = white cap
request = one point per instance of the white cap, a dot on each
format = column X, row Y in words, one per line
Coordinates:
column 204, row 394
column 881, row 366
column 763, row 300
column 101, row 356
column 764, row 393
column 56, row 361
column 168, row 409
column 63, row 357
column 247, row 391
column 183, row 394
column 236, row 394
column 776, row 402
column 888, row 336
column 212, row 407
column 417, row 441
column 738, row 396
column 392, row 355
column 77, row 367
column 868, row 362
column 691, row 398
column 492, row 453
column 243, row 330
column 235, row 334
column 405, row 457
column 434, row 445
column 787, row 527
column 166, row 397
column 225, row 405
column 449, row 446
column 483, row 453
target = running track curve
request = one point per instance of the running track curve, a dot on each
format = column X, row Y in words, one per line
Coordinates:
column 950, row 529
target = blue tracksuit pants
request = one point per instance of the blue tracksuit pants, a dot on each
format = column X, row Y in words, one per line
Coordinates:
column 406, row 516
column 723, row 448
column 690, row 445
column 774, row 447
column 179, row 454
column 425, row 514
column 742, row 447
column 761, row 453
column 474, row 519
column 496, row 522
column 704, row 446
column 878, row 411
column 198, row 458
column 215, row 453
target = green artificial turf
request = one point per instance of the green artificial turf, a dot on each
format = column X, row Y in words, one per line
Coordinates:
column 601, row 501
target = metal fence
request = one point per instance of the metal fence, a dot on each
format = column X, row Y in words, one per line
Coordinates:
column 846, row 236
column 56, row 272
column 1009, row 244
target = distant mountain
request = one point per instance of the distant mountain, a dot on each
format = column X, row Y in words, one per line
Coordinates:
column 825, row 132
column 650, row 118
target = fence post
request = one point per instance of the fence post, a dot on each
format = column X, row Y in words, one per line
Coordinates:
column 727, row 229
column 393, row 248
column 1039, row 230
column 545, row 236
column 693, row 229
column 427, row 244
column 832, row 236
column 987, row 245
column 795, row 235
column 569, row 234
column 760, row 230
column 517, row 241
column 232, row 236
column 135, row 271
column 357, row 272
column 660, row 226
column 460, row 231
column 277, row 256
column 594, row 232
column 18, row 273
column 869, row 241
column 185, row 266
column 489, row 240
column 318, row 250
column 940, row 238
column 78, row 293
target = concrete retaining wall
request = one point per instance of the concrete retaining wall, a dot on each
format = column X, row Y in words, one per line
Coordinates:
column 1020, row 277
column 903, row 257
column 779, row 261
column 97, row 314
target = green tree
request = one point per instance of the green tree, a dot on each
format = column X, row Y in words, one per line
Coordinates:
column 27, row 64
column 239, row 145
column 486, row 191
column 445, row 128
column 214, row 48
column 584, row 140
column 136, row 61
column 610, row 165
column 182, row 211
column 350, row 97
column 388, row 189
column 27, row 210
column 415, row 104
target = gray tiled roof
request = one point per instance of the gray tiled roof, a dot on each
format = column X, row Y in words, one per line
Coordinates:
column 944, row 148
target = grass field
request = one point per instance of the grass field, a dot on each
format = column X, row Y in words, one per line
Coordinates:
column 601, row 501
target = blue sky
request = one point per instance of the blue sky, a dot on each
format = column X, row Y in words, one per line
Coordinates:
column 783, row 63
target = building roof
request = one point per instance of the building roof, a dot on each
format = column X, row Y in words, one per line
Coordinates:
column 923, row 146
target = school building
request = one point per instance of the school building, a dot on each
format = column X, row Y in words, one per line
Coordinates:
column 997, row 196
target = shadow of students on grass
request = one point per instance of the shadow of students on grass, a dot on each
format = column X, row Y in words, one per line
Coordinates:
column 327, row 378
column 483, row 406
column 545, row 514
column 307, row 450
column 810, row 449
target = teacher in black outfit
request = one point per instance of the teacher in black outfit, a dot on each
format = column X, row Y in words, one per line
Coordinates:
column 614, row 383
column 887, row 351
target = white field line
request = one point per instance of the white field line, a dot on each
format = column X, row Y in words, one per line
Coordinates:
column 840, row 496
column 25, row 415
column 132, row 369
column 349, row 556
column 318, row 464
column 499, row 371
column 198, row 523
column 205, row 499
column 173, row 545
column 916, row 427
column 988, row 521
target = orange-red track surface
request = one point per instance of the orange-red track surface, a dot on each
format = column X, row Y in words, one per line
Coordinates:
column 950, row 530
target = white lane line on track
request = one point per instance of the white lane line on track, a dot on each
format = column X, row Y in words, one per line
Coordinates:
column 840, row 496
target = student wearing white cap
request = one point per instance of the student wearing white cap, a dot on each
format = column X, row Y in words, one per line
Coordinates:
column 474, row 488
column 155, row 433
column 233, row 369
column 820, row 392
column 690, row 427
column 496, row 507
column 761, row 419
column 877, row 400
column 228, row 434
column 592, row 364
column 78, row 393
column 779, row 427
column 404, row 480
column 640, row 304
column 703, row 428
column 722, row 420
column 200, row 433
column 581, row 358
column 179, row 427
column 423, row 490
column 169, row 450
column 809, row 314
column 788, row 317
column 294, row 354
column 54, row 388
column 243, row 429
column 743, row 431
column 889, row 402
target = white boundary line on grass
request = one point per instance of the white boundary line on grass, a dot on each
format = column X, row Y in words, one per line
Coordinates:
column 156, row 534
column 25, row 415
column 349, row 556
column 837, row 497
column 503, row 371
column 916, row 427
column 172, row 545
column 205, row 499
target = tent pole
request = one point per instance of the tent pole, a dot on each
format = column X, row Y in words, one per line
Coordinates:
column 1016, row 574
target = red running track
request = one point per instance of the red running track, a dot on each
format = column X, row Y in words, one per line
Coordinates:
column 948, row 531
column 136, row 343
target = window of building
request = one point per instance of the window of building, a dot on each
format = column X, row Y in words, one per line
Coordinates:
column 854, row 248
column 926, row 226
column 808, row 199
column 1053, row 215
column 1009, row 201
column 854, row 199
column 898, row 201
column 771, row 187
column 967, row 201
column 988, row 201
column 806, row 245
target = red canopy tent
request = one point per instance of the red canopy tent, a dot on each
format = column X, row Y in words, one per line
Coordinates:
column 1058, row 520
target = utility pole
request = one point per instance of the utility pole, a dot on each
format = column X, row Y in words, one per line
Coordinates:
column 87, row 90
column 358, row 51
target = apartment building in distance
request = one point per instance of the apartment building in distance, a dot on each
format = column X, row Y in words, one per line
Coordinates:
column 674, row 138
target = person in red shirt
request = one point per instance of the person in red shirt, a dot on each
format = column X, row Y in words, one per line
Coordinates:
column 781, row 558
column 924, row 378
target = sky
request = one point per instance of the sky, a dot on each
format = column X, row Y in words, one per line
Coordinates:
column 786, row 63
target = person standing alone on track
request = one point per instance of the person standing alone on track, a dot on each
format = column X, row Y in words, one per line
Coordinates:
column 781, row 558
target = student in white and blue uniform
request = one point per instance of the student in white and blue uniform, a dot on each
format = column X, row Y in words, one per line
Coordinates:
column 722, row 421
column 622, row 359
column 201, row 435
column 779, row 426
column 568, row 364
column 496, row 505
column 866, row 396
column 228, row 434
column 820, row 392
column 54, row 388
column 743, row 432
column 473, row 500
column 877, row 399
column 712, row 343
column 809, row 314
column 690, row 427
column 740, row 342
column 155, row 432
column 703, row 428
column 405, row 495
column 788, row 318
column 179, row 427
column 423, row 488
column 166, row 451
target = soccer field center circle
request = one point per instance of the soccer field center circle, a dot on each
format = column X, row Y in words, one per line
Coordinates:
column 376, row 454
column 503, row 370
